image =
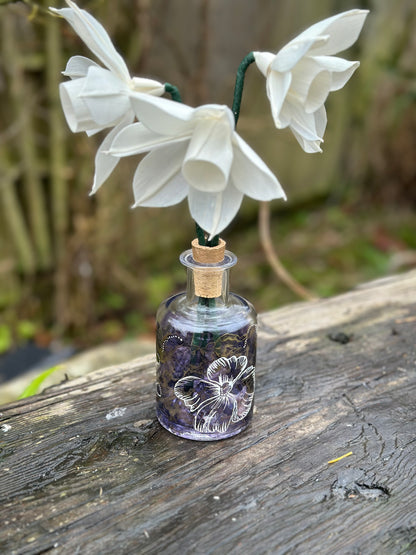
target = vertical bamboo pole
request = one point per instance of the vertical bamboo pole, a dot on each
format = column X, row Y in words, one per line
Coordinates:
column 57, row 165
column 57, row 126
column 13, row 215
column 23, row 107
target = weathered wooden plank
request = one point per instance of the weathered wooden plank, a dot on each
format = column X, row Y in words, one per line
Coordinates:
column 85, row 468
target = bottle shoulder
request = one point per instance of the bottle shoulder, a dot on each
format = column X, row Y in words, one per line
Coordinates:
column 179, row 312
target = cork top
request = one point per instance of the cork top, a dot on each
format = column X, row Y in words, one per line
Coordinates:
column 208, row 255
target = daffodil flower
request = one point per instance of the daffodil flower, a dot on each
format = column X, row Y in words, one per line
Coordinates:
column 98, row 97
column 302, row 74
column 194, row 153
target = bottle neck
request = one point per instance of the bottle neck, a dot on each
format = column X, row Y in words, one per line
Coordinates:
column 208, row 274
column 207, row 287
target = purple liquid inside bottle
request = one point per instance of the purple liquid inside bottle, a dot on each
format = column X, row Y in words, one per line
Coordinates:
column 206, row 354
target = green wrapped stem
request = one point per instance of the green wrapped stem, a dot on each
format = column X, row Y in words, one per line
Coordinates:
column 239, row 84
column 174, row 92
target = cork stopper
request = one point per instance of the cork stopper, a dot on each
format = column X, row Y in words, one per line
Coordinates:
column 208, row 281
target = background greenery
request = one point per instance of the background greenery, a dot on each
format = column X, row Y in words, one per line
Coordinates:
column 86, row 270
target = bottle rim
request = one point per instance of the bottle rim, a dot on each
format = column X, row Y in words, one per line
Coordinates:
column 188, row 260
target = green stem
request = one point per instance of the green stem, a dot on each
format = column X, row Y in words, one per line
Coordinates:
column 214, row 241
column 200, row 235
column 174, row 92
column 239, row 84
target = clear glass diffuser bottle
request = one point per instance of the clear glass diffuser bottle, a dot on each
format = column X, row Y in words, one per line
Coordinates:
column 206, row 351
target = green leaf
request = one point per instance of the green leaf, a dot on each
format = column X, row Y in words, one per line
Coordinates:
column 35, row 384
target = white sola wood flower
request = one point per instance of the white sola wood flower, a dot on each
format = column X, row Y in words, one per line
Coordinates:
column 302, row 74
column 96, row 97
column 194, row 152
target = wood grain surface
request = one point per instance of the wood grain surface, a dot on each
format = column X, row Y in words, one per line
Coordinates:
column 86, row 468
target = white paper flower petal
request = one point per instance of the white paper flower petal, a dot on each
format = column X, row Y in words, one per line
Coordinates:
column 104, row 162
column 158, row 180
column 320, row 121
column 162, row 115
column 95, row 37
column 341, row 70
column 209, row 156
column 318, row 91
column 92, row 132
column 76, row 111
column 303, row 73
column 300, row 120
column 136, row 139
column 214, row 211
column 308, row 146
column 250, row 174
column 342, row 29
column 290, row 54
column 78, row 66
column 311, row 83
column 263, row 61
column 148, row 86
column 105, row 95
column 174, row 192
column 278, row 86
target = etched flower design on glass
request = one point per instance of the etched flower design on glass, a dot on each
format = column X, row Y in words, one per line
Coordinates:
column 223, row 397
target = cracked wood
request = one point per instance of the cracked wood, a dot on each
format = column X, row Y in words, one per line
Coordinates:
column 86, row 468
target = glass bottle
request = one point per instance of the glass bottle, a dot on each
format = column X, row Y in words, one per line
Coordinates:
column 206, row 351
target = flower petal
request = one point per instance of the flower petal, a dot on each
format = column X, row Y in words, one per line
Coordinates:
column 95, row 37
column 250, row 174
column 78, row 66
column 300, row 120
column 290, row 54
column 148, row 86
column 195, row 391
column 312, row 145
column 215, row 415
column 318, row 91
column 136, row 139
column 307, row 145
column 105, row 95
column 209, row 157
column 341, row 70
column 104, row 162
column 242, row 405
column 320, row 121
column 75, row 109
column 342, row 30
column 158, row 180
column 311, row 83
column 226, row 369
column 214, row 211
column 161, row 115
column 263, row 61
column 277, row 86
